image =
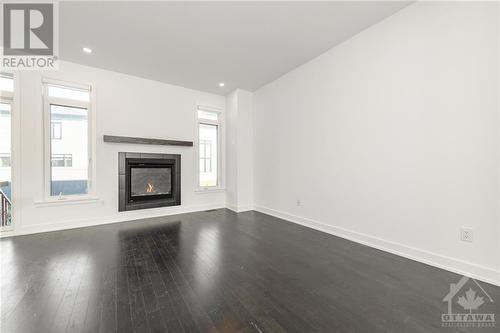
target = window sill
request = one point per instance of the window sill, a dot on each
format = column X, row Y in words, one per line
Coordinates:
column 66, row 201
column 209, row 190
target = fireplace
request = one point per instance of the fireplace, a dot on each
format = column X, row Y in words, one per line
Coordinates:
column 149, row 181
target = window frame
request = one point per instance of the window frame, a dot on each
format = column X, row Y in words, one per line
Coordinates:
column 220, row 132
column 47, row 133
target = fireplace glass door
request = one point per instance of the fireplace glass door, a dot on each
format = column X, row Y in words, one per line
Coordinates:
column 147, row 181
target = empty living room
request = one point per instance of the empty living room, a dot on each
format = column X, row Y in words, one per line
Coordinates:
column 249, row 166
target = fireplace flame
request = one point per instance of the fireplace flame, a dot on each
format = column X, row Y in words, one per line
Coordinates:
column 150, row 188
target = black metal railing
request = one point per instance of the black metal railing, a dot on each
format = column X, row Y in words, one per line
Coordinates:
column 6, row 212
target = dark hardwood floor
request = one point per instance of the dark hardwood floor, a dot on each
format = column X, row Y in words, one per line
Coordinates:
column 215, row 271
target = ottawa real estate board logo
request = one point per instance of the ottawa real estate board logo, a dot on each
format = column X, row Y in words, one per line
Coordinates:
column 469, row 305
column 29, row 36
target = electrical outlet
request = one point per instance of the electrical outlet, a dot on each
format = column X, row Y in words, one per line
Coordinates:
column 299, row 203
column 466, row 235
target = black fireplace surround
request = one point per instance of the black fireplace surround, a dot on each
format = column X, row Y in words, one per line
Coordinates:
column 148, row 181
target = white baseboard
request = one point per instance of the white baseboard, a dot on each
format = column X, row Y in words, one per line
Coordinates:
column 118, row 217
column 450, row 264
column 240, row 208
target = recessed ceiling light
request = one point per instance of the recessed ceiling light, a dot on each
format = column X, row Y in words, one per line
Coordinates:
column 221, row 84
column 87, row 50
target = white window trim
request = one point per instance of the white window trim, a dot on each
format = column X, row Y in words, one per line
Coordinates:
column 90, row 106
column 220, row 148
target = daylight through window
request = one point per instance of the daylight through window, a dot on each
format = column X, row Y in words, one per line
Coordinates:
column 69, row 147
column 208, row 148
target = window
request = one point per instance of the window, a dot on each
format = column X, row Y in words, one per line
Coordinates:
column 6, row 108
column 62, row 160
column 208, row 148
column 5, row 138
column 69, row 93
column 56, row 130
column 68, row 157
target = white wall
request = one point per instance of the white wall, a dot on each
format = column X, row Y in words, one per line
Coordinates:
column 231, row 148
column 498, row 119
column 245, row 150
column 125, row 105
column 391, row 138
column 239, row 186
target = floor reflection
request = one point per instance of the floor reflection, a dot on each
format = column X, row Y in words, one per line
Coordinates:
column 42, row 295
column 207, row 259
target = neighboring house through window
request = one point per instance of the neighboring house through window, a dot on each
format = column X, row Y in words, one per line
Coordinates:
column 62, row 160
column 68, row 156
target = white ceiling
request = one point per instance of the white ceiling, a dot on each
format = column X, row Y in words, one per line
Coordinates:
column 199, row 44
